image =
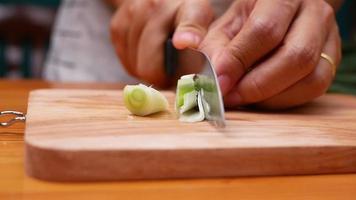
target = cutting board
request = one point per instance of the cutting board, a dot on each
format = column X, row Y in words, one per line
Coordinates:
column 88, row 135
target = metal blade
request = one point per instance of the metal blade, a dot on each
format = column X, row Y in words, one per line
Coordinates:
column 215, row 114
column 214, row 107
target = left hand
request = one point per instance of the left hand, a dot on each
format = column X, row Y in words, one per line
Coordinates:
column 268, row 52
column 139, row 29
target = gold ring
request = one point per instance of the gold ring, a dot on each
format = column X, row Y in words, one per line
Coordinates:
column 331, row 61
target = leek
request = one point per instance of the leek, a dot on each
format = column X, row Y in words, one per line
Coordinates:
column 196, row 114
column 142, row 100
column 191, row 91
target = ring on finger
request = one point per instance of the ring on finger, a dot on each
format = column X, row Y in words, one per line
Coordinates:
column 331, row 61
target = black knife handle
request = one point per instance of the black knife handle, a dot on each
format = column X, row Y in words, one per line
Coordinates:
column 170, row 58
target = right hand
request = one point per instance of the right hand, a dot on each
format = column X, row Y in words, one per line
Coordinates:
column 268, row 52
column 140, row 28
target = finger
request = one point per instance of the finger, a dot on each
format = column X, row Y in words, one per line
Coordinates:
column 315, row 84
column 194, row 18
column 261, row 33
column 222, row 30
column 295, row 59
column 151, row 51
column 119, row 27
column 143, row 10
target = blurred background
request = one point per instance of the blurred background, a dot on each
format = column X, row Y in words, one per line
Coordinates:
column 25, row 34
column 25, row 30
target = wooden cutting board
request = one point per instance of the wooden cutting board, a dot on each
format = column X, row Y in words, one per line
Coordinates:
column 86, row 135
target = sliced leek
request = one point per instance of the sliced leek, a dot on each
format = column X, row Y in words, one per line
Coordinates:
column 142, row 100
column 185, row 85
column 190, row 103
column 195, row 114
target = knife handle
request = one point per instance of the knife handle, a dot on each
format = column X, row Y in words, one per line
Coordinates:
column 170, row 58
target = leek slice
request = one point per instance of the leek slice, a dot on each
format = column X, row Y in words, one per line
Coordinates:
column 190, row 103
column 185, row 85
column 194, row 115
column 142, row 100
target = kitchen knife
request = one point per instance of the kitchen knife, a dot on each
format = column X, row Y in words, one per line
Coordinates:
column 215, row 112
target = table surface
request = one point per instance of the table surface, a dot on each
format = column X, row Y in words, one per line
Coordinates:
column 14, row 184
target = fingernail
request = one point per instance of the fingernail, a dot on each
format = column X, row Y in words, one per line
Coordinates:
column 187, row 39
column 224, row 82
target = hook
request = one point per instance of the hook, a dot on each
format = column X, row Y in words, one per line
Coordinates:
column 18, row 117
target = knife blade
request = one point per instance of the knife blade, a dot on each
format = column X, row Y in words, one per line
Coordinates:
column 214, row 111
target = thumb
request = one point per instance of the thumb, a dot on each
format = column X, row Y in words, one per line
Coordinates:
column 193, row 20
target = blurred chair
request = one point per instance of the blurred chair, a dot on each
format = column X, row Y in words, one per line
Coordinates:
column 25, row 28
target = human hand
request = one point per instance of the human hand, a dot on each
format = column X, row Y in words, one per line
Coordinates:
column 140, row 28
column 267, row 52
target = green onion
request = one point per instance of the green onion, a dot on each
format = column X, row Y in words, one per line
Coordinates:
column 142, row 100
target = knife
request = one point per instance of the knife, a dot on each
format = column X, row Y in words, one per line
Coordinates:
column 215, row 114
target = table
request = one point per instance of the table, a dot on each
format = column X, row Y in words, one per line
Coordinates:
column 14, row 184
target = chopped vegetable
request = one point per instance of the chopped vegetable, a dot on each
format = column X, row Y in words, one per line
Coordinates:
column 185, row 85
column 142, row 100
column 195, row 114
column 190, row 102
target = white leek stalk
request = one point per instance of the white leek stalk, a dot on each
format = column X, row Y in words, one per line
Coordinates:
column 190, row 103
column 195, row 114
column 142, row 100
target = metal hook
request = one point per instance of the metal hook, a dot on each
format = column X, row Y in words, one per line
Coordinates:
column 18, row 117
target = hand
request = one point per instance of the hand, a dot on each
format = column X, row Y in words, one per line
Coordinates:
column 140, row 28
column 267, row 52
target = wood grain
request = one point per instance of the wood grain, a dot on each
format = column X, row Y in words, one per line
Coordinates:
column 14, row 184
column 82, row 135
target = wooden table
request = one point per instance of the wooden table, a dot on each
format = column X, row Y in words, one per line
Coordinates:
column 14, row 184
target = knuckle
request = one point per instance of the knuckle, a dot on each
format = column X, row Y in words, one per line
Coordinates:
column 235, row 53
column 238, row 58
column 325, row 10
column 131, row 9
column 115, row 26
column 264, row 29
column 305, row 56
column 255, row 91
column 192, row 27
column 328, row 10
column 191, row 19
